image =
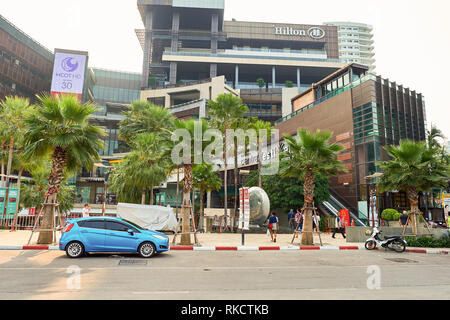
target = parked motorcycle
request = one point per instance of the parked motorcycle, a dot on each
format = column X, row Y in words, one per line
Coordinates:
column 396, row 243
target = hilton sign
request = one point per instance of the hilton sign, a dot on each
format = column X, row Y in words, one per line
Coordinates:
column 314, row 32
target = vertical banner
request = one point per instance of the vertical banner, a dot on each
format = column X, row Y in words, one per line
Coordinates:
column 373, row 213
column 2, row 201
column 244, row 209
column 11, row 204
column 344, row 214
column 69, row 70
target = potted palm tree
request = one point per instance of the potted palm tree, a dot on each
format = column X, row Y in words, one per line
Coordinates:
column 59, row 127
column 413, row 168
column 310, row 154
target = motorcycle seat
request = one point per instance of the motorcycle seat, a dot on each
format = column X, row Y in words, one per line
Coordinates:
column 392, row 237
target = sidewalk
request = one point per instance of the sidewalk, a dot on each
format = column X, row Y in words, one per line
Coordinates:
column 19, row 238
column 218, row 242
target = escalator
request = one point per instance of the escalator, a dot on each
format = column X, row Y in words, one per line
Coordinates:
column 334, row 205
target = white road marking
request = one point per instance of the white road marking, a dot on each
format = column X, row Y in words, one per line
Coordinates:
column 161, row 292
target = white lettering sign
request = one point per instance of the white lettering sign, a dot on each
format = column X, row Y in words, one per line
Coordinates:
column 314, row 32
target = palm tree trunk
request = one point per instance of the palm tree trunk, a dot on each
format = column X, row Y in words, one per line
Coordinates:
column 414, row 202
column 3, row 172
column 19, row 177
column 54, row 183
column 225, row 179
column 200, row 226
column 236, row 198
column 143, row 197
column 186, row 210
column 308, row 189
column 10, row 156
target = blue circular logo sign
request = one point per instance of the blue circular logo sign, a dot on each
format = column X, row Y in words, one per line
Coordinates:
column 69, row 64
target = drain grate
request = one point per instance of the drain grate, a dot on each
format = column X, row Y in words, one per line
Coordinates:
column 132, row 262
column 402, row 260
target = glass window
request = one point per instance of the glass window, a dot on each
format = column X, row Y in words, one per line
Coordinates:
column 93, row 224
column 340, row 82
column 346, row 79
column 116, row 226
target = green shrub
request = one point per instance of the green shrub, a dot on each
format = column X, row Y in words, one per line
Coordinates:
column 428, row 242
column 397, row 216
column 389, row 214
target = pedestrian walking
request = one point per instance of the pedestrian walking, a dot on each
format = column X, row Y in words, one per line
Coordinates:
column 298, row 223
column 403, row 221
column 291, row 219
column 316, row 221
column 86, row 211
column 273, row 226
column 339, row 228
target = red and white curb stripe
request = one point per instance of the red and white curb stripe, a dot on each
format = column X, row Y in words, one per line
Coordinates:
column 205, row 249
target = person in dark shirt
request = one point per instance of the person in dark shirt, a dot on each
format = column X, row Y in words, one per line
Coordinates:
column 273, row 226
column 291, row 219
column 403, row 221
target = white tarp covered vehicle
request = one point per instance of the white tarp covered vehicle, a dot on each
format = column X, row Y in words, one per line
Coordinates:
column 155, row 218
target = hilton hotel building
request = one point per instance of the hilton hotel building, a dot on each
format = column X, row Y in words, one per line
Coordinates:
column 187, row 43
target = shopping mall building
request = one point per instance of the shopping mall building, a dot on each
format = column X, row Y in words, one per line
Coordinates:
column 187, row 42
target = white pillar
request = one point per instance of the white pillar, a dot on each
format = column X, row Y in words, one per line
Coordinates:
column 208, row 199
column 236, row 77
column 298, row 79
column 273, row 77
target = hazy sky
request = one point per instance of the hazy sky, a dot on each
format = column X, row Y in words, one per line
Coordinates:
column 412, row 45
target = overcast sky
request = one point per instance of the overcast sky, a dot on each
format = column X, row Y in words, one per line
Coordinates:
column 412, row 43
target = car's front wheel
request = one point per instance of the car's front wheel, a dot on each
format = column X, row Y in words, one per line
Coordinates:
column 147, row 250
column 75, row 249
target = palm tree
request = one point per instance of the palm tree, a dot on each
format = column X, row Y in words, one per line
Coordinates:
column 414, row 167
column 13, row 111
column 205, row 180
column 189, row 127
column 145, row 117
column 226, row 113
column 310, row 155
column 259, row 126
column 60, row 127
column 33, row 192
column 432, row 135
column 144, row 168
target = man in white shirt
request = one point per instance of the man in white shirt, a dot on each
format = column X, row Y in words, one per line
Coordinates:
column 86, row 210
column 339, row 227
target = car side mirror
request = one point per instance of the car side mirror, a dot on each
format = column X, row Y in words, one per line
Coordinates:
column 131, row 231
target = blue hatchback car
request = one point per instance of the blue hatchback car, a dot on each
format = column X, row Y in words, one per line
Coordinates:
column 108, row 235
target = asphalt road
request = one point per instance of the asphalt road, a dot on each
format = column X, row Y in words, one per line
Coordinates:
column 226, row 275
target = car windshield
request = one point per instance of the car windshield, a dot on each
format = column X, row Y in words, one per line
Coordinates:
column 133, row 224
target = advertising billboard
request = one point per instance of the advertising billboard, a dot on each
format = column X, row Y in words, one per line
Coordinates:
column 69, row 70
column 11, row 204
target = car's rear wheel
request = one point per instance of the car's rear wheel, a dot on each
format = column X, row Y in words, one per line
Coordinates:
column 75, row 249
column 147, row 250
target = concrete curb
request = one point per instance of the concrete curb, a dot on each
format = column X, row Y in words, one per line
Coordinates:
column 221, row 248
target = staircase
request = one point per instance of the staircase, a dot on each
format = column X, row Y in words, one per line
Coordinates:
column 334, row 205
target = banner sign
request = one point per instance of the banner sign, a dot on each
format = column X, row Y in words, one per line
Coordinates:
column 344, row 214
column 161, row 198
column 68, row 73
column 2, row 201
column 244, row 209
column 11, row 204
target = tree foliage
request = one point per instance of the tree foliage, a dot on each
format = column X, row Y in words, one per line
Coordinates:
column 287, row 193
